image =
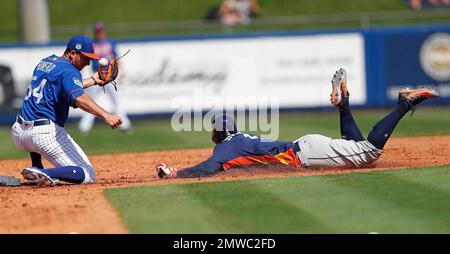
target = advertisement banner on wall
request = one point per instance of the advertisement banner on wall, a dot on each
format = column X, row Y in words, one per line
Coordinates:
column 240, row 72
column 417, row 59
column 200, row 74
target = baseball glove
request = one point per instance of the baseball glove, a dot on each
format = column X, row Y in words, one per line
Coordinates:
column 109, row 73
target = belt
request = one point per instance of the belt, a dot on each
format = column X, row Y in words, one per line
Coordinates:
column 35, row 123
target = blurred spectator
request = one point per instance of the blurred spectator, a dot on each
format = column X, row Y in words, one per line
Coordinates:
column 415, row 4
column 104, row 47
column 439, row 3
column 213, row 13
column 233, row 12
column 420, row 4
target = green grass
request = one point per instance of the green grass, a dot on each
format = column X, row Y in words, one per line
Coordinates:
column 158, row 135
column 400, row 201
column 144, row 11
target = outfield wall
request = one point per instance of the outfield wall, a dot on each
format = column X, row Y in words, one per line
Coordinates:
column 407, row 57
column 168, row 74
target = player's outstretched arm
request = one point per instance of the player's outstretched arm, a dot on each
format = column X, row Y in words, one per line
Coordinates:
column 206, row 168
column 87, row 104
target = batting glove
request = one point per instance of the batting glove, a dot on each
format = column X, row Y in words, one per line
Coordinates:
column 164, row 171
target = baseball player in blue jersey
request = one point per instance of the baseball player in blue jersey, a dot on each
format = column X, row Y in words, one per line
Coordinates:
column 236, row 149
column 105, row 48
column 55, row 86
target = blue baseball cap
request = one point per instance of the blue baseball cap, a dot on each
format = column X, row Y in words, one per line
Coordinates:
column 84, row 45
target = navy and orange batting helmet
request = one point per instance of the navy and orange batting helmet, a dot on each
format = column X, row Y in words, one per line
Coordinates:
column 222, row 127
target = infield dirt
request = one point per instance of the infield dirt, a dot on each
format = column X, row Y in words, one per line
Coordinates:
column 84, row 209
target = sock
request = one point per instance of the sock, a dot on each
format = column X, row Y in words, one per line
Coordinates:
column 349, row 129
column 381, row 132
column 36, row 160
column 70, row 174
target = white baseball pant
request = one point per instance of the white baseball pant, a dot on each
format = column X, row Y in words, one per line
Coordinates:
column 55, row 144
column 317, row 151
